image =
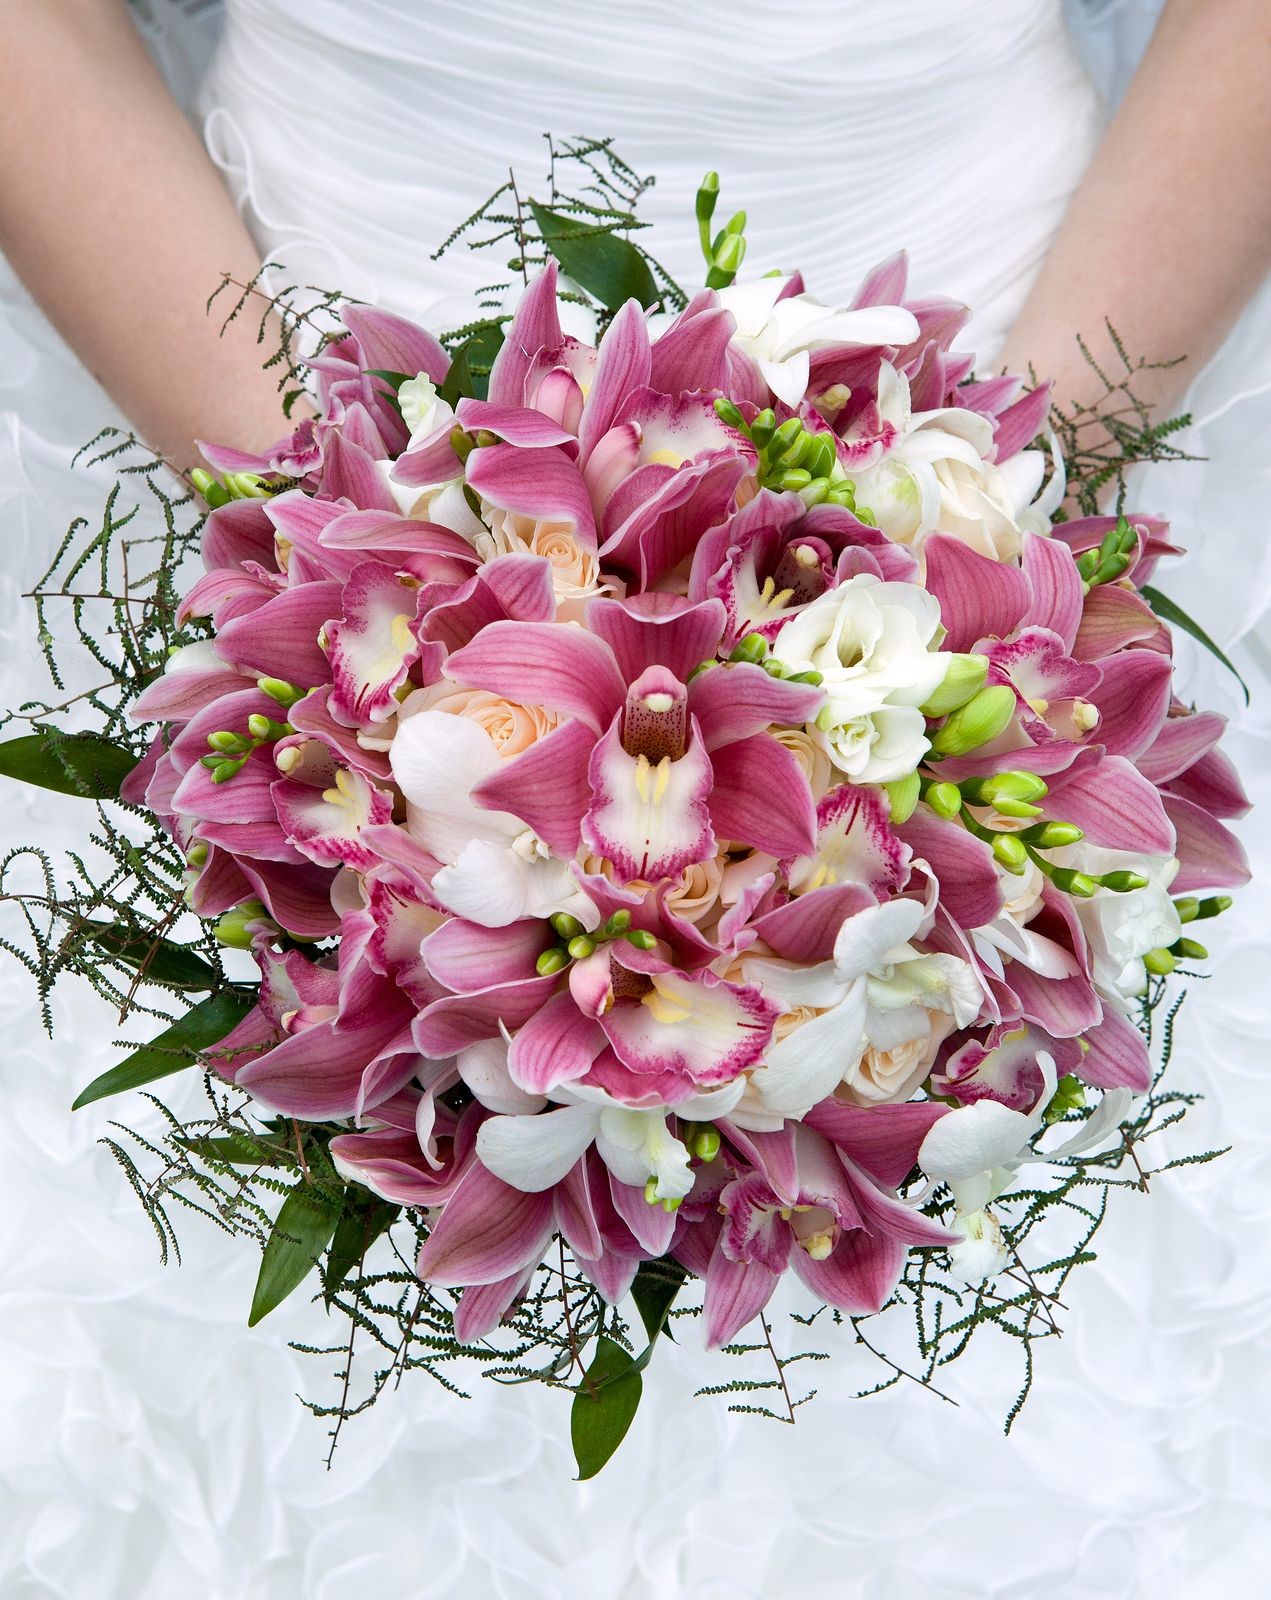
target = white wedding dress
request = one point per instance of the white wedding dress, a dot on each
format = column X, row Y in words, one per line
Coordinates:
column 150, row 1446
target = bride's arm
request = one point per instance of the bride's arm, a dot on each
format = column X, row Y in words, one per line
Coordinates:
column 1170, row 232
column 118, row 223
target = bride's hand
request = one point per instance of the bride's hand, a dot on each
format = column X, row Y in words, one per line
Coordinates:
column 1170, row 232
column 118, row 223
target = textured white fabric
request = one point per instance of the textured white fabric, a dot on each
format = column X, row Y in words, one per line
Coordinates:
column 150, row 1445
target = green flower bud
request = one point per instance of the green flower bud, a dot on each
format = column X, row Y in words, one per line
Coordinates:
column 707, row 195
column 785, row 438
column 763, row 427
column 286, row 694
column 196, row 856
column 566, row 926
column 753, row 648
column 865, row 515
column 945, row 799
column 703, row 1140
column 963, row 677
column 736, row 223
column 229, row 744
column 232, row 929
column 1188, row 908
column 551, row 961
column 651, row 1191
column 728, row 413
column 618, row 923
column 815, row 493
column 1160, row 963
column 225, row 770
column 820, row 459
column 812, row 677
column 247, row 486
column 1123, row 882
column 1010, row 853
column 795, row 479
column 1003, row 786
column 581, row 947
column 976, row 723
column 1051, row 835
column 461, row 441
column 1072, row 882
column 774, row 668
column 728, row 258
column 1213, row 907
column 902, row 797
column 640, row 938
column 1189, row 950
column 671, row 1206
column 1016, row 808
column 265, row 728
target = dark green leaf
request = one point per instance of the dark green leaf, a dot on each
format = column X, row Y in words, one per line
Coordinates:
column 604, row 1407
column 469, row 373
column 305, row 1224
column 393, row 379
column 158, row 960
column 360, row 1225
column 1168, row 611
column 238, row 1150
column 656, row 1285
column 176, row 1047
column 605, row 264
column 75, row 763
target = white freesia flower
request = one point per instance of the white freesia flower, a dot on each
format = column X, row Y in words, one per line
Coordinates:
column 496, row 870
column 878, row 992
column 874, row 645
column 1121, row 928
column 779, row 335
column 933, row 475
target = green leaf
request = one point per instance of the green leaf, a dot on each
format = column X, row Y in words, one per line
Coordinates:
column 361, row 1223
column 393, row 379
column 71, row 763
column 238, row 1150
column 656, row 1285
column 605, row 264
column 301, row 1233
column 158, row 960
column 469, row 372
column 176, row 1047
column 1168, row 611
column 604, row 1407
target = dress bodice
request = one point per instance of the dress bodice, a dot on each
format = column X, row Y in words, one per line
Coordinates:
column 360, row 135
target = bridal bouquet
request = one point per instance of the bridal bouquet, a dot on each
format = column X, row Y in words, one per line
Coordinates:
column 690, row 811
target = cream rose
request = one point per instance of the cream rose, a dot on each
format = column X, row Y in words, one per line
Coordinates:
column 576, row 576
column 512, row 727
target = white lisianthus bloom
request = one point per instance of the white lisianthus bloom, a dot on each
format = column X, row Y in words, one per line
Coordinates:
column 1121, row 928
column 932, row 475
column 779, row 335
column 874, row 644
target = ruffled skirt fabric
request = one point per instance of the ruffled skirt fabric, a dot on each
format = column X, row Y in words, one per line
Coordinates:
column 150, row 1446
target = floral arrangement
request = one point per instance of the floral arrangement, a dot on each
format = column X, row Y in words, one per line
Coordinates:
column 688, row 803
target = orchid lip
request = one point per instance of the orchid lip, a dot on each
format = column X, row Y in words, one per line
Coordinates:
column 655, row 718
